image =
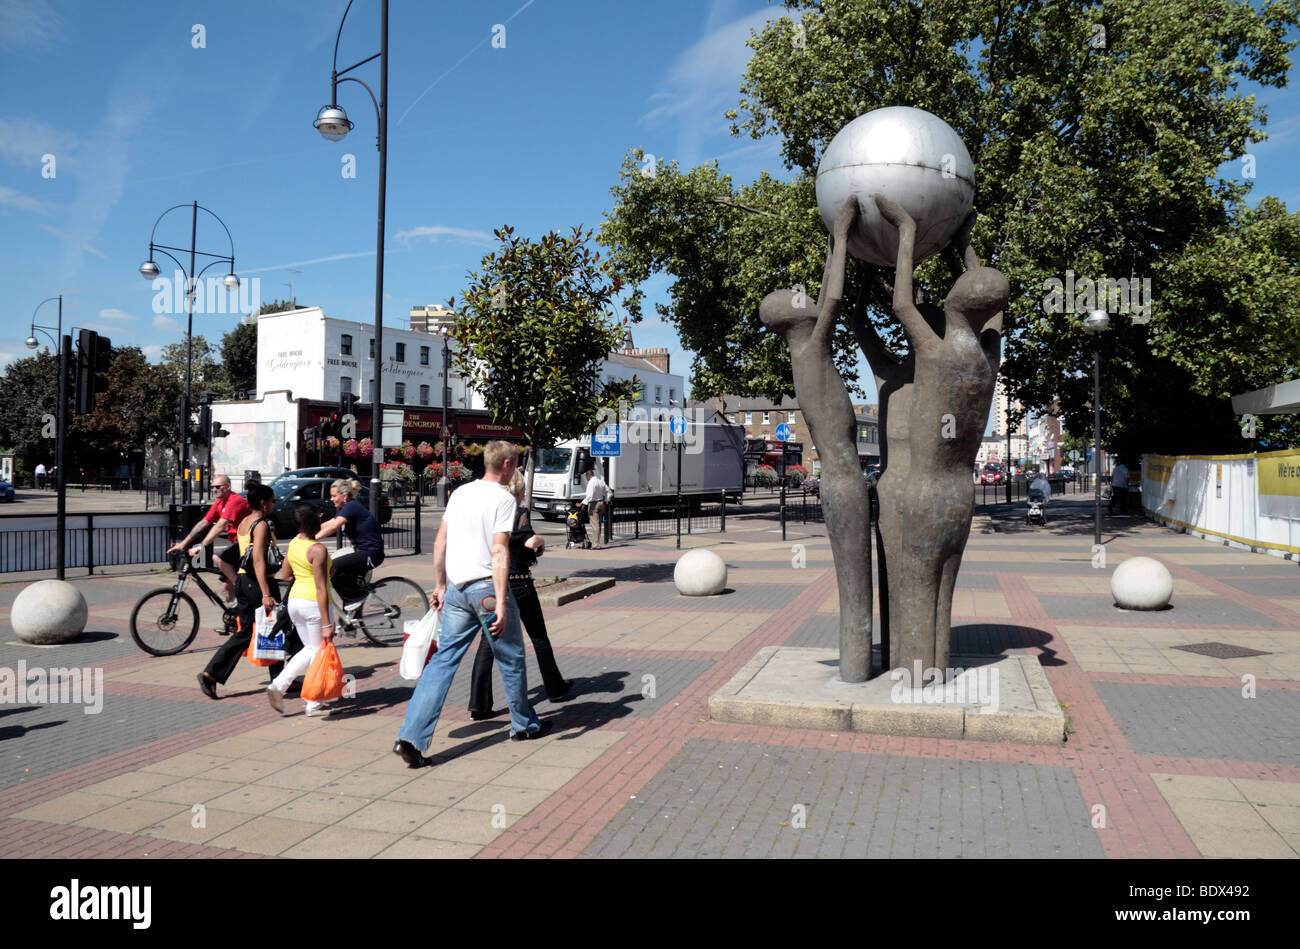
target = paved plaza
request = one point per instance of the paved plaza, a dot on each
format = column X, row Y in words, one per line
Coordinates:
column 1184, row 725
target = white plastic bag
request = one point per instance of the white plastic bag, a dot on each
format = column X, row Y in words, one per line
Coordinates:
column 419, row 642
column 268, row 639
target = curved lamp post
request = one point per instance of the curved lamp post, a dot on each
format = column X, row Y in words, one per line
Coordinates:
column 333, row 124
column 150, row 271
column 1094, row 324
column 62, row 346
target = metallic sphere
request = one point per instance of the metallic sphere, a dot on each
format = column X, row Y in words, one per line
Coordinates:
column 1096, row 321
column 149, row 270
column 905, row 154
column 333, row 123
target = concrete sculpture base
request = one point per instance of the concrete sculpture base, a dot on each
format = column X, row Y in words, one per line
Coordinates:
column 993, row 698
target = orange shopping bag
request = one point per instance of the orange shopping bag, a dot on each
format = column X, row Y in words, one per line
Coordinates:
column 324, row 679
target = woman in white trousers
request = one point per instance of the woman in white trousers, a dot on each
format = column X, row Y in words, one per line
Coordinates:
column 307, row 563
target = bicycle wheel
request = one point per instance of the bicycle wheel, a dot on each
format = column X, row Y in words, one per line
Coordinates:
column 161, row 629
column 392, row 602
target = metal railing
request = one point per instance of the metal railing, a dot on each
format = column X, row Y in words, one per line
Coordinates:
column 29, row 542
column 997, row 493
column 634, row 519
column 401, row 533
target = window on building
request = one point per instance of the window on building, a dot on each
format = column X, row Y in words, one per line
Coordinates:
column 749, row 418
column 372, row 349
column 424, row 355
column 372, row 391
column 345, row 384
column 659, row 395
column 400, row 393
column 424, row 395
column 732, row 418
column 767, row 418
column 672, row 396
column 790, row 417
column 345, row 344
column 399, row 352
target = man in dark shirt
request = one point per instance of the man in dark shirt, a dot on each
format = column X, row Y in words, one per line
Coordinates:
column 362, row 531
column 225, row 514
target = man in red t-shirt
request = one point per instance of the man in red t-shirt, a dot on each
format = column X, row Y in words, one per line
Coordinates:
column 225, row 514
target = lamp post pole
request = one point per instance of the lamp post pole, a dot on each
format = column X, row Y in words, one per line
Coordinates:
column 1095, row 324
column 333, row 123
column 63, row 345
column 149, row 270
column 446, row 397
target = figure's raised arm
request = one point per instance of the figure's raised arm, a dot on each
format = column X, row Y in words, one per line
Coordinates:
column 879, row 357
column 832, row 294
column 918, row 331
column 961, row 243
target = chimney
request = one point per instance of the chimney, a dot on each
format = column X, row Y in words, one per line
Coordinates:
column 657, row 356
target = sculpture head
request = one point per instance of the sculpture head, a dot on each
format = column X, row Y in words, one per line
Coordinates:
column 784, row 310
column 979, row 295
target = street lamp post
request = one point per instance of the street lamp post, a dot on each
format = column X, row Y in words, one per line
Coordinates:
column 444, row 331
column 150, row 271
column 63, row 346
column 333, row 123
column 1095, row 324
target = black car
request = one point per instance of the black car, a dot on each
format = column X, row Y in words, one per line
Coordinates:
column 334, row 474
column 293, row 493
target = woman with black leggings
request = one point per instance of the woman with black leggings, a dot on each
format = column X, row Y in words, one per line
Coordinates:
column 525, row 547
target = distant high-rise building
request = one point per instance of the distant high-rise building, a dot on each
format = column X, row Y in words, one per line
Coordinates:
column 425, row 319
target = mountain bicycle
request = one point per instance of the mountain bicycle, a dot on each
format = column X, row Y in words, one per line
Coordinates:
column 166, row 620
column 382, row 615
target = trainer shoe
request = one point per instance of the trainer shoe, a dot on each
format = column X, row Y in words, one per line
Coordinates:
column 276, row 698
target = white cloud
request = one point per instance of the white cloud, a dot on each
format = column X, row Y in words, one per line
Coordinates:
column 115, row 315
column 161, row 322
column 435, row 231
column 16, row 199
column 307, row 263
column 7, row 358
column 152, row 353
column 29, row 23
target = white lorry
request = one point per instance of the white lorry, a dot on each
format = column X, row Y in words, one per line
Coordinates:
column 645, row 470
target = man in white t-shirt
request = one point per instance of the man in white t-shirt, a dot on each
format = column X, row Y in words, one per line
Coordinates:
column 1118, row 489
column 594, row 500
column 470, row 563
column 40, row 474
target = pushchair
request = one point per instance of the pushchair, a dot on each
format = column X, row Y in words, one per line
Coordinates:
column 576, row 523
column 1037, row 512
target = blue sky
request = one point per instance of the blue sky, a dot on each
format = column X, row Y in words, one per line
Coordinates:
column 138, row 119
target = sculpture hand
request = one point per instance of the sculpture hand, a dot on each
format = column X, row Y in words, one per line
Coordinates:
column 893, row 212
column 845, row 217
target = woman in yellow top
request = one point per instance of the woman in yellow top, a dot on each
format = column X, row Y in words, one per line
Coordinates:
column 254, row 588
column 307, row 564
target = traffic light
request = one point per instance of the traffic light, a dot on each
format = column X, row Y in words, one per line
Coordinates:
column 218, row 431
column 309, row 436
column 94, row 354
column 182, row 417
column 205, row 425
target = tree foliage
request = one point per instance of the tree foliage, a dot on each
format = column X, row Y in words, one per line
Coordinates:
column 533, row 328
column 1098, row 132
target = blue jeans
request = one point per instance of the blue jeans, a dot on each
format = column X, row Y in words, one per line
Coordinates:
column 460, row 626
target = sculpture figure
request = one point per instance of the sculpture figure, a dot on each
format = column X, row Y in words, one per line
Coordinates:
column 934, row 405
column 832, row 425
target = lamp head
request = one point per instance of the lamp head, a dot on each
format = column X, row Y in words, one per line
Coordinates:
column 1096, row 321
column 32, row 342
column 333, row 123
column 230, row 282
column 149, row 270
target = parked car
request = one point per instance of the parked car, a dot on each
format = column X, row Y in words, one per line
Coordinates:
column 293, row 493
column 333, row 474
column 992, row 474
column 6, row 491
column 1067, row 473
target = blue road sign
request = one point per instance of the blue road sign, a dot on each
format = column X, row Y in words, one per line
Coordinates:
column 677, row 424
column 783, row 432
column 605, row 442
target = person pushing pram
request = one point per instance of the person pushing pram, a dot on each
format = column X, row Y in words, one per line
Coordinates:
column 1040, row 492
column 575, row 522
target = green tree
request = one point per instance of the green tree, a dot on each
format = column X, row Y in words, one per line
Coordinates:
column 205, row 370
column 239, row 360
column 28, row 394
column 533, row 328
column 1097, row 131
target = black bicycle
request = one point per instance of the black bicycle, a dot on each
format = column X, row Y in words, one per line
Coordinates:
column 382, row 616
column 166, row 620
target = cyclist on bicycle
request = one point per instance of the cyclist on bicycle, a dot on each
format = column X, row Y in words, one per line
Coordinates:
column 360, row 527
column 225, row 515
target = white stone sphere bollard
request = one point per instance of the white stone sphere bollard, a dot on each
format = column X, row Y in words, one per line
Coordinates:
column 49, row 611
column 910, row 156
column 1142, row 583
column 700, row 573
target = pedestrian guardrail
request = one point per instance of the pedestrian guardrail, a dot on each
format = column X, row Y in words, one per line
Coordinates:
column 30, row 542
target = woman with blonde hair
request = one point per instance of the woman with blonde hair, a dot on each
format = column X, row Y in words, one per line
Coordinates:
column 525, row 548
column 360, row 527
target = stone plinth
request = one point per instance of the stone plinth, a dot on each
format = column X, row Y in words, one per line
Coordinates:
column 993, row 698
